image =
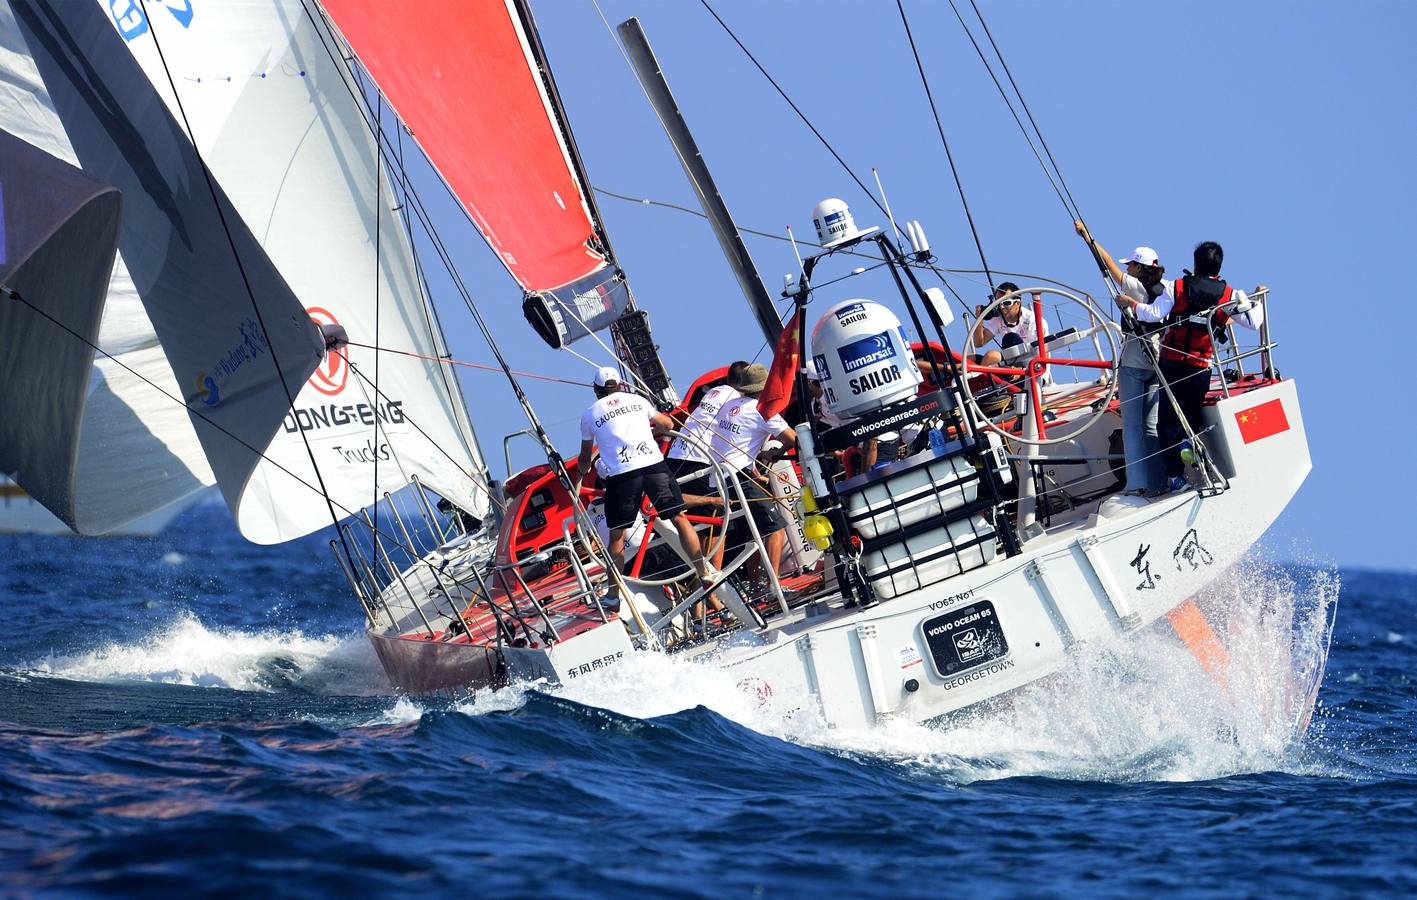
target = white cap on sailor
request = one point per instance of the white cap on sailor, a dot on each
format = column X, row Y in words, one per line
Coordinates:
column 606, row 374
column 1144, row 255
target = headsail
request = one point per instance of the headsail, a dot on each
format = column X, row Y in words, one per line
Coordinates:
column 466, row 81
column 277, row 119
column 69, row 91
column 280, row 128
column 58, row 240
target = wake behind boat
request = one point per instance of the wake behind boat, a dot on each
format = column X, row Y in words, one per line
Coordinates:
column 995, row 545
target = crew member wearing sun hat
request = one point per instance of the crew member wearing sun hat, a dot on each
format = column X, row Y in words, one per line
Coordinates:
column 738, row 435
column 1138, row 387
column 622, row 425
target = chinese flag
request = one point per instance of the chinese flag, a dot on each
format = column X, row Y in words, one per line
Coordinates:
column 1262, row 421
column 782, row 375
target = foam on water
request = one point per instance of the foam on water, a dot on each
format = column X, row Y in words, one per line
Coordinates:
column 188, row 652
column 1139, row 709
column 1135, row 709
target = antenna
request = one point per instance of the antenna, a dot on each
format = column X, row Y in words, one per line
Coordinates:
column 797, row 253
column 887, row 204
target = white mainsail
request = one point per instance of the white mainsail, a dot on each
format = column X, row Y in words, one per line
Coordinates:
column 278, row 120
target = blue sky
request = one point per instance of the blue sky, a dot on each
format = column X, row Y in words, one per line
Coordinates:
column 1282, row 131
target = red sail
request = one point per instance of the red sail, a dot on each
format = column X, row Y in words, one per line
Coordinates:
column 463, row 78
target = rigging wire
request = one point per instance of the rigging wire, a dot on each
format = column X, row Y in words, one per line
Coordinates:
column 772, row 235
column 378, row 259
column 14, row 295
column 425, row 220
column 949, row 155
column 1024, row 103
column 1047, row 173
column 801, row 115
column 452, row 390
column 449, row 361
column 240, row 267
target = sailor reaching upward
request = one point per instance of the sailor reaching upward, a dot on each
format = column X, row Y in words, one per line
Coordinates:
column 622, row 425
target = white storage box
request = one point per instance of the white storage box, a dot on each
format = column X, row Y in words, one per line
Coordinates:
column 929, row 556
column 898, row 501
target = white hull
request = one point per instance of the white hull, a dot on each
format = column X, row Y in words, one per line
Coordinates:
column 935, row 650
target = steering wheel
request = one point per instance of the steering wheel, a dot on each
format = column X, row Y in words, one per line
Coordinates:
column 1035, row 368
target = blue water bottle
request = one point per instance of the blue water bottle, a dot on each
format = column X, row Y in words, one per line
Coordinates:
column 937, row 442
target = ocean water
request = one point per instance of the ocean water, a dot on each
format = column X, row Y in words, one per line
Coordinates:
column 195, row 713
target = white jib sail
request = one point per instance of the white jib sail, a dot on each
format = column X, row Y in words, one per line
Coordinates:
column 137, row 449
column 277, row 119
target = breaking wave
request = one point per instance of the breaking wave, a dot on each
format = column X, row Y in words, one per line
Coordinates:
column 188, row 652
column 1139, row 709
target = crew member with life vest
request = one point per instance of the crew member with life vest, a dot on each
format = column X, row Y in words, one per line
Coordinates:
column 1187, row 346
column 622, row 425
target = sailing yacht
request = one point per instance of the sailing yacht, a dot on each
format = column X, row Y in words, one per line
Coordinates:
column 268, row 230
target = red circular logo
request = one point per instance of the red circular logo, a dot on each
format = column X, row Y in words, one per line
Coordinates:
column 333, row 373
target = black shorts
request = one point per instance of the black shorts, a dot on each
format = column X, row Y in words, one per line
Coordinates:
column 623, row 493
column 700, row 485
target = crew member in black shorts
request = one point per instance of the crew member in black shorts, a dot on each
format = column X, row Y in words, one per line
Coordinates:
column 622, row 425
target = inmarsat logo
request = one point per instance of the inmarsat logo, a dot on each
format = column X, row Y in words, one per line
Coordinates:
column 330, row 378
column 866, row 351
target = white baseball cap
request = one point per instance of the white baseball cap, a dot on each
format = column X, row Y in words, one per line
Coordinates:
column 606, row 374
column 1144, row 255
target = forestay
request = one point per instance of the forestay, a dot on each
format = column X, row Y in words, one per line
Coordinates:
column 466, row 79
column 279, row 123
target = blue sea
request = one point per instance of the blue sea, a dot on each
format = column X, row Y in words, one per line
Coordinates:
column 193, row 713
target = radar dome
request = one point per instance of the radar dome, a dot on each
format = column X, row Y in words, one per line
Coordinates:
column 860, row 353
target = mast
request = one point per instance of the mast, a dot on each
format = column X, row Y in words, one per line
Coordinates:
column 651, row 78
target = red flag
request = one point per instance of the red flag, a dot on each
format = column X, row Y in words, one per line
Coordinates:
column 782, row 375
column 1261, row 421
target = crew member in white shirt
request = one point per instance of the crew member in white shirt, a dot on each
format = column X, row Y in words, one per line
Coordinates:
column 685, row 456
column 1138, row 386
column 622, row 425
column 739, row 433
column 1013, row 325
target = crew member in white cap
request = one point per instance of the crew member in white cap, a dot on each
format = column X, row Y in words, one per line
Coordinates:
column 1138, row 387
column 622, row 425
